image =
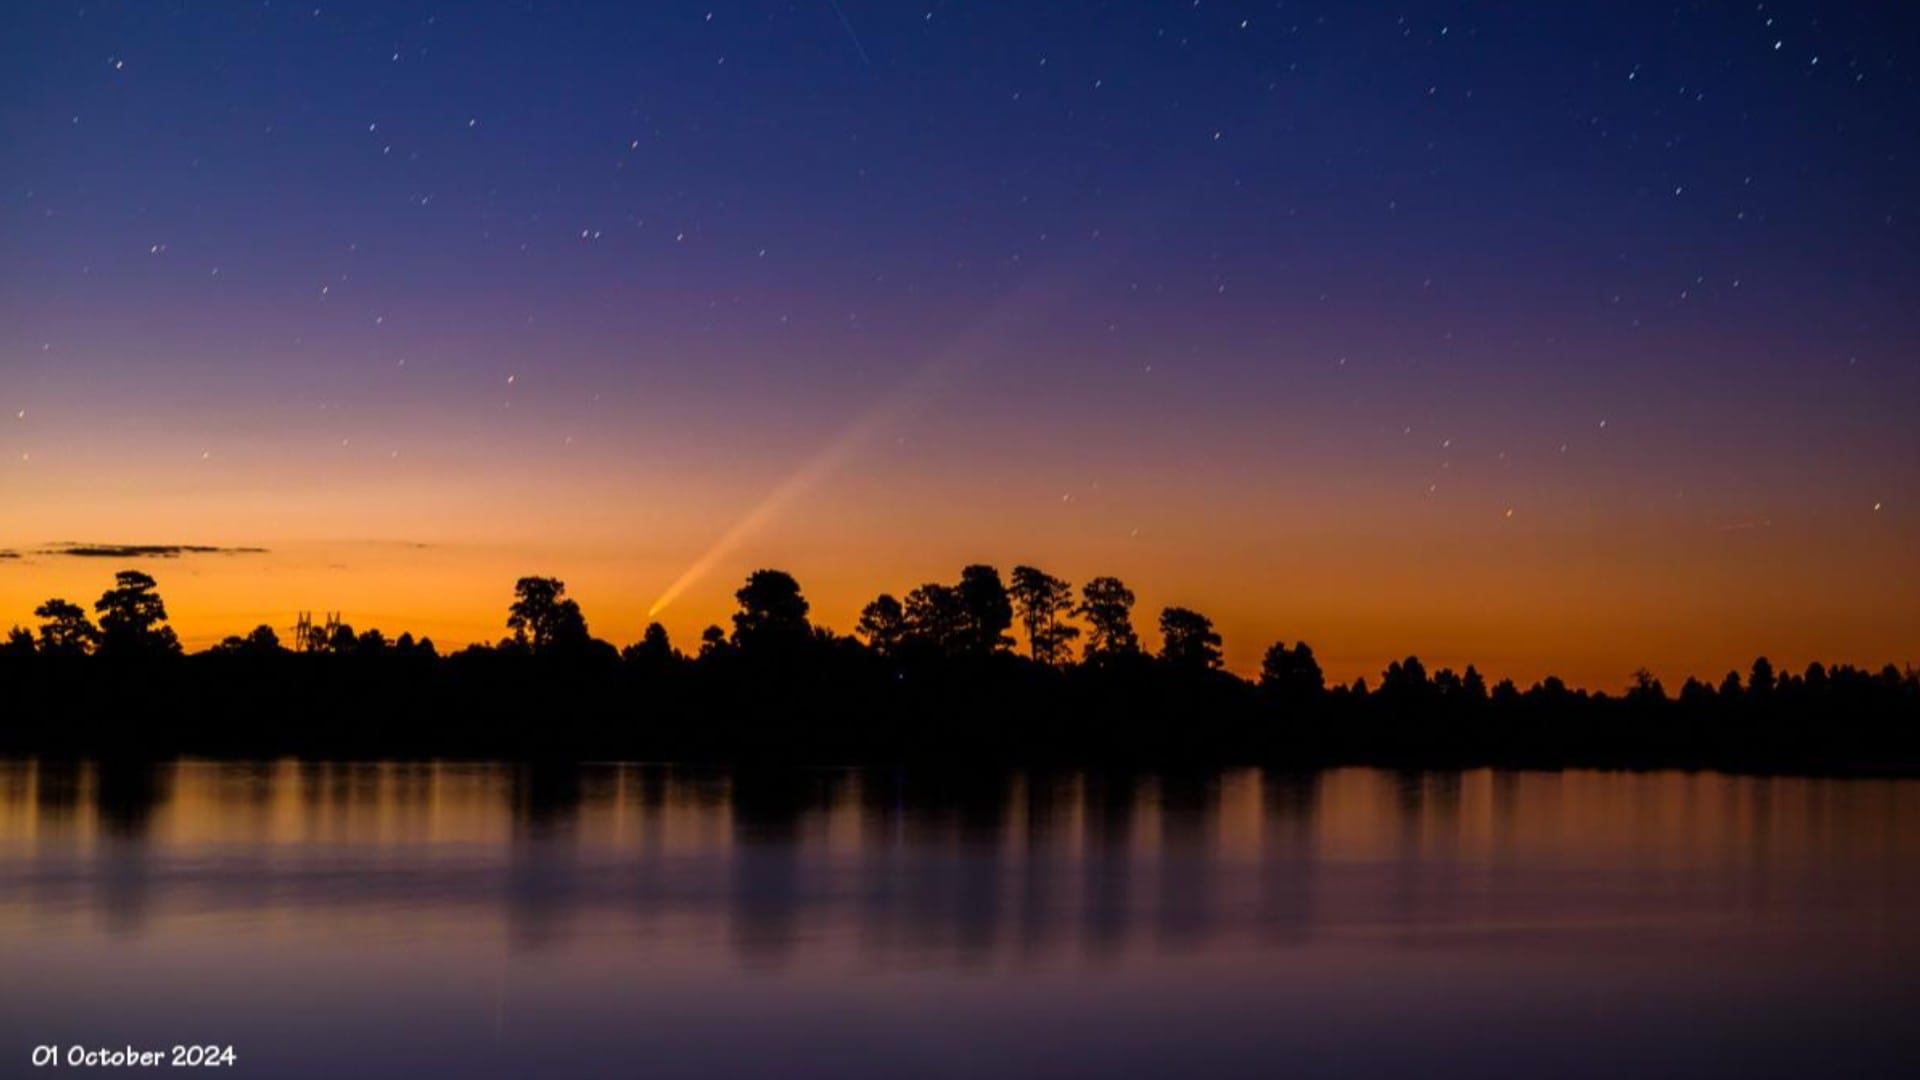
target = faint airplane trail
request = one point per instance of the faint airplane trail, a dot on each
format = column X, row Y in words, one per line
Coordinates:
column 864, row 58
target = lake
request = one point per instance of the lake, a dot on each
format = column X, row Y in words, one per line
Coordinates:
column 405, row 919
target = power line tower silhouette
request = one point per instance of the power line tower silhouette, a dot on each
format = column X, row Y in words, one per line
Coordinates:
column 306, row 638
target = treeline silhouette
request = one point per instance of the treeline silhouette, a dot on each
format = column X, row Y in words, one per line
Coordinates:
column 938, row 675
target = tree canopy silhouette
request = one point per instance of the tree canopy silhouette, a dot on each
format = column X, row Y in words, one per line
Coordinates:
column 773, row 613
column 935, row 618
column 544, row 619
column 19, row 643
column 1044, row 603
column 133, row 618
column 883, row 623
column 933, row 678
column 65, row 629
column 986, row 612
column 1291, row 674
column 262, row 641
column 1107, row 605
column 655, row 648
column 1189, row 640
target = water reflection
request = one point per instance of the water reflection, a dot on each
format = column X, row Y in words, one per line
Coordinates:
column 1325, row 896
column 941, row 867
column 543, row 884
column 1289, row 855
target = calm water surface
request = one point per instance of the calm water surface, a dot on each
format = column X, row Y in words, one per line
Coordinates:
column 455, row 919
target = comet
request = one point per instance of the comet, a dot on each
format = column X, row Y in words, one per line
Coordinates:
column 989, row 331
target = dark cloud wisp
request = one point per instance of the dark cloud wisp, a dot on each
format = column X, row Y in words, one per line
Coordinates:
column 143, row 551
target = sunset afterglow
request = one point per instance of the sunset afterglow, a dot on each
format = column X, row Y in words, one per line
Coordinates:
column 1386, row 332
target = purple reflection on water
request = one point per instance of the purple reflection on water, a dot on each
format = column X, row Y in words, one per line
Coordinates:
column 398, row 918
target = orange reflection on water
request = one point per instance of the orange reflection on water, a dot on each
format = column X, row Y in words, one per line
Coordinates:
column 1482, row 815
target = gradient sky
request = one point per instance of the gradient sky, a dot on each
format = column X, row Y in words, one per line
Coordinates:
column 1552, row 337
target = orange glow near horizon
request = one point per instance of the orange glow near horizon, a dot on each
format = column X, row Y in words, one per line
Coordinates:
column 1561, row 376
column 1524, row 538
column 1519, row 597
